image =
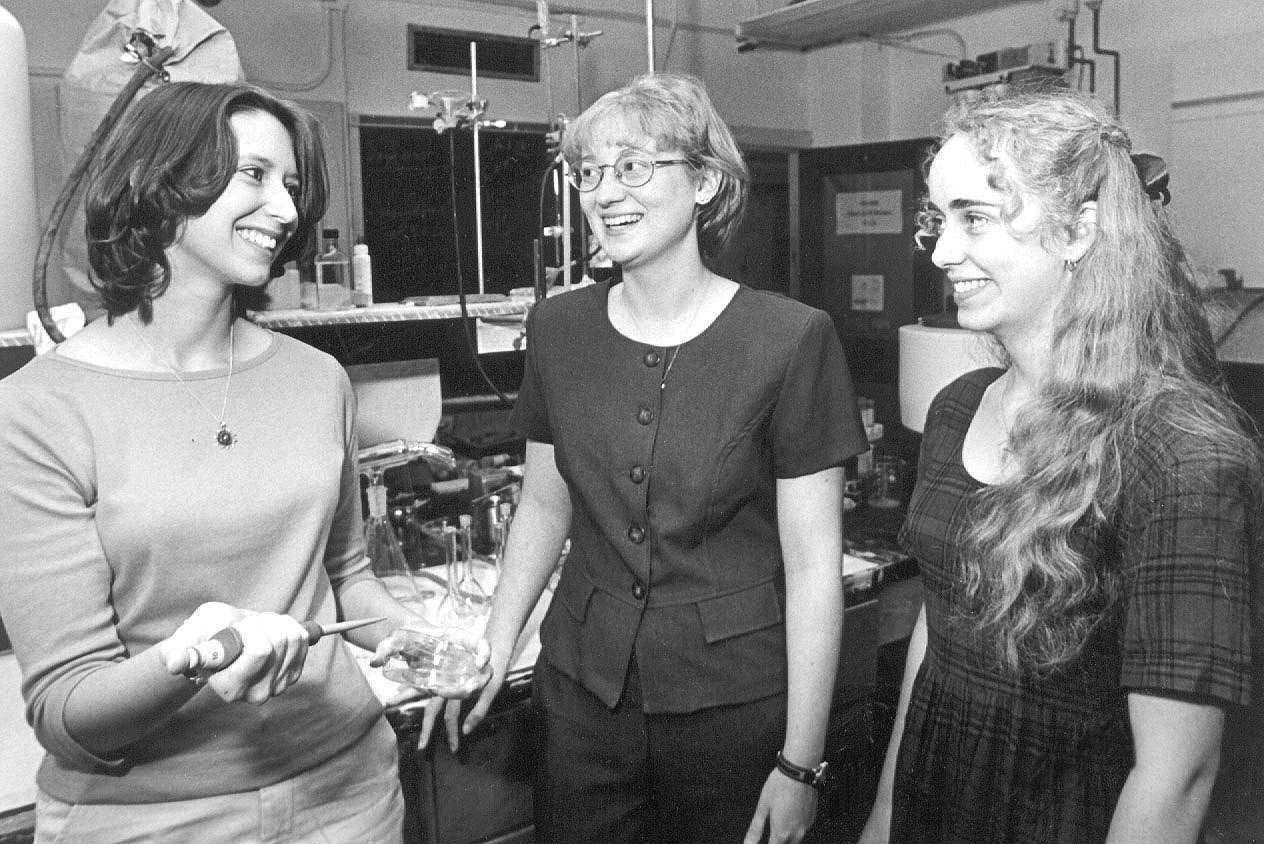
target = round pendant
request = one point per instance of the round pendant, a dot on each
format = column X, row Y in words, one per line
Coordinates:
column 225, row 437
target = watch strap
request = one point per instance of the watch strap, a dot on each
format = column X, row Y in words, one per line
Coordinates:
column 814, row 776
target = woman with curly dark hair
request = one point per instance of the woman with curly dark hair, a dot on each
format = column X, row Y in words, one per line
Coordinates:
column 1086, row 517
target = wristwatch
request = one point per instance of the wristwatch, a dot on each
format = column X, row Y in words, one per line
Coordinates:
column 817, row 776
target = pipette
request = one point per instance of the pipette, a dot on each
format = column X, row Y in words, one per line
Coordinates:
column 219, row 651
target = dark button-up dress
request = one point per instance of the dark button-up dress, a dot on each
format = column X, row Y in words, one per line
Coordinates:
column 671, row 457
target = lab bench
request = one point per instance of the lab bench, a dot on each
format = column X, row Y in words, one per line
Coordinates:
column 482, row 793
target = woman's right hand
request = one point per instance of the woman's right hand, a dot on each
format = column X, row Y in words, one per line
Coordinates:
column 451, row 708
column 274, row 649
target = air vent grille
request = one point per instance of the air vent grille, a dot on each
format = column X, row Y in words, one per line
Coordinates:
column 448, row 51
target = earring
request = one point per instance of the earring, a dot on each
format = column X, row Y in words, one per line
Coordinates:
column 1070, row 265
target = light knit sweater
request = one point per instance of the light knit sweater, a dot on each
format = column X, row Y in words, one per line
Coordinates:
column 119, row 515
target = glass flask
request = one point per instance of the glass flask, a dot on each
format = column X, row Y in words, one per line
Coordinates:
column 386, row 557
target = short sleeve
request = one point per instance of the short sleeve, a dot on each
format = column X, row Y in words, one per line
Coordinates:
column 1189, row 556
column 815, row 424
column 530, row 415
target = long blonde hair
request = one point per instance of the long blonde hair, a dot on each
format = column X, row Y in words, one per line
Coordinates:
column 1131, row 346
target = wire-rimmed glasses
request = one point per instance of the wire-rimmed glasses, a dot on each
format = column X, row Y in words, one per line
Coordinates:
column 631, row 169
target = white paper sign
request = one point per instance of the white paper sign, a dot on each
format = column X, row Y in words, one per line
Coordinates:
column 867, row 293
column 869, row 212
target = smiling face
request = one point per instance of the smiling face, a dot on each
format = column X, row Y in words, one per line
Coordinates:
column 1004, row 279
column 650, row 224
column 239, row 237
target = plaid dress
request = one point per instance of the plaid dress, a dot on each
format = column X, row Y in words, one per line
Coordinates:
column 989, row 757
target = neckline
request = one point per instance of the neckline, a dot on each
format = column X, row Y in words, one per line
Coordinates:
column 980, row 390
column 608, row 285
column 166, row 375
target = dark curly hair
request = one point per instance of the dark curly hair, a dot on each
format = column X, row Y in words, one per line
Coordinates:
column 166, row 161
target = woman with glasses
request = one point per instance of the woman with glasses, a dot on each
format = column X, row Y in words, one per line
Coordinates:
column 686, row 433
column 1086, row 518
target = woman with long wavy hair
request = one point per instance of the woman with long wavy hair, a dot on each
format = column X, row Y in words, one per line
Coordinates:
column 1086, row 517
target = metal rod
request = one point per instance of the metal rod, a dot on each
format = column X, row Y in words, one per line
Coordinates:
column 649, row 34
column 478, row 175
column 566, row 227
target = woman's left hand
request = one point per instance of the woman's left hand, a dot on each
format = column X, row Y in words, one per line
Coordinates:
column 786, row 807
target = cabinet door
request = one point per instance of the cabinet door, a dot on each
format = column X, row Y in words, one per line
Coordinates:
column 858, row 257
column 483, row 792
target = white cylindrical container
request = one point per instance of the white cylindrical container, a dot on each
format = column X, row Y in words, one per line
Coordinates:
column 19, row 221
column 361, row 276
column 930, row 359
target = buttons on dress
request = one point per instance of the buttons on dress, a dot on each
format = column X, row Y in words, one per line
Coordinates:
column 645, row 416
column 637, row 474
column 652, row 359
column 636, row 534
column 638, row 590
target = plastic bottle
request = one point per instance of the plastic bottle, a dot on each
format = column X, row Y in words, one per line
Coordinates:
column 361, row 275
column 333, row 274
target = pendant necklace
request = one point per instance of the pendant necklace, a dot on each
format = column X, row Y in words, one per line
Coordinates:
column 223, row 436
column 697, row 308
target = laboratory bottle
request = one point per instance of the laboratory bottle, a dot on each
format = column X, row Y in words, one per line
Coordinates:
column 361, row 275
column 333, row 274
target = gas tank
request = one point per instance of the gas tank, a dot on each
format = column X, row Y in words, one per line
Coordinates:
column 19, row 221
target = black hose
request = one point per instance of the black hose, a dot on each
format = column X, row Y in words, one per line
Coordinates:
column 1097, row 49
column 147, row 68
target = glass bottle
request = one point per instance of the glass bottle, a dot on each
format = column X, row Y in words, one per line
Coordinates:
column 333, row 274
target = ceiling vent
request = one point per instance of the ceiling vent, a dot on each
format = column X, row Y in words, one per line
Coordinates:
column 816, row 23
column 448, row 51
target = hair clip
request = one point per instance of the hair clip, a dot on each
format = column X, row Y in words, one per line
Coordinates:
column 1152, row 170
column 1117, row 137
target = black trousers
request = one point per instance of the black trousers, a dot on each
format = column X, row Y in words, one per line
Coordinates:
column 619, row 776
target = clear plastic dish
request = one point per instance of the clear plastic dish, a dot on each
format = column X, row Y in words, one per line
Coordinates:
column 432, row 663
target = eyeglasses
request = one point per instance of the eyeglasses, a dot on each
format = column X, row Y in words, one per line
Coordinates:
column 631, row 169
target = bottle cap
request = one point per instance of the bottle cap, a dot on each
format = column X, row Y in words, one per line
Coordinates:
column 329, row 233
column 360, row 249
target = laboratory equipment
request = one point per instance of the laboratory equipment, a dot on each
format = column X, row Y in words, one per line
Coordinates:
column 471, row 591
column 433, row 663
column 331, row 290
column 466, row 603
column 361, row 275
column 381, row 545
column 222, row 649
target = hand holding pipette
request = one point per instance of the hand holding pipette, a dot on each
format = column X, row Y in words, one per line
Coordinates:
column 242, row 655
column 224, row 647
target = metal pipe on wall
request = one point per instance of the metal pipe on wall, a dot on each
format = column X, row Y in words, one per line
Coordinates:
column 649, row 34
column 478, row 174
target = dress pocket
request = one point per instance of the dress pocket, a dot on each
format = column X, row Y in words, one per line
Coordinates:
column 741, row 612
